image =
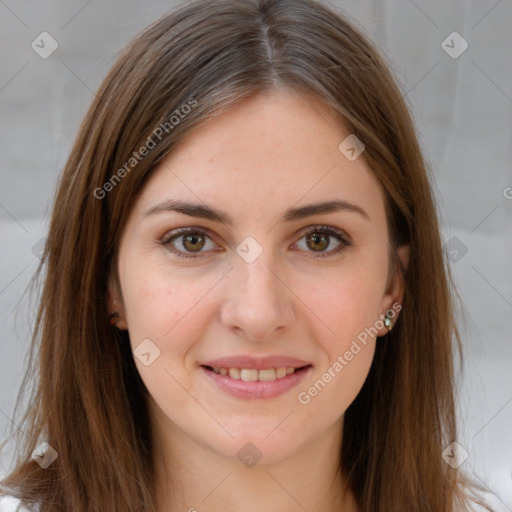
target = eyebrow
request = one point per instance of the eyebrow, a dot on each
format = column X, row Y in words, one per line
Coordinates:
column 290, row 215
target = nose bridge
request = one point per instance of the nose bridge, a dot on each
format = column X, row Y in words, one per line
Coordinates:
column 259, row 279
column 258, row 302
column 253, row 265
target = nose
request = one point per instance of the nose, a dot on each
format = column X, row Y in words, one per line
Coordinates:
column 258, row 304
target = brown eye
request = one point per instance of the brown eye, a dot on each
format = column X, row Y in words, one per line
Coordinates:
column 319, row 238
column 193, row 242
column 317, row 241
column 187, row 241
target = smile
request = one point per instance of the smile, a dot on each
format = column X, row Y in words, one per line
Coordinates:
column 251, row 383
column 252, row 374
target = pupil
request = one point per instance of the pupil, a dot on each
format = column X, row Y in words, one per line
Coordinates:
column 193, row 239
column 315, row 237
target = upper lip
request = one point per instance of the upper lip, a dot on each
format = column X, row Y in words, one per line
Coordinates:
column 258, row 363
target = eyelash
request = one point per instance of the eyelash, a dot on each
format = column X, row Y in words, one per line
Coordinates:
column 339, row 235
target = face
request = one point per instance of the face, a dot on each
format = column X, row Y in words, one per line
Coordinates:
column 254, row 318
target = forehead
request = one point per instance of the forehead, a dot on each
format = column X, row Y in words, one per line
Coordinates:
column 266, row 154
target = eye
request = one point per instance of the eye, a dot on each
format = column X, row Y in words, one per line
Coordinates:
column 318, row 239
column 192, row 239
column 190, row 242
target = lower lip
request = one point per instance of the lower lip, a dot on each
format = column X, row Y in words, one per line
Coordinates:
column 256, row 389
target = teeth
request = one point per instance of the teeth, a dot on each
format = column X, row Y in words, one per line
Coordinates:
column 269, row 374
column 281, row 372
column 234, row 373
column 253, row 375
column 249, row 375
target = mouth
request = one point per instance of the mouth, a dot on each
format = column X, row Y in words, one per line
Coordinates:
column 253, row 383
column 254, row 375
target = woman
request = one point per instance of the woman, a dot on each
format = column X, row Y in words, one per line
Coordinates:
column 246, row 304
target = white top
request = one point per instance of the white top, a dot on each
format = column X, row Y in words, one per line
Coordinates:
column 12, row 504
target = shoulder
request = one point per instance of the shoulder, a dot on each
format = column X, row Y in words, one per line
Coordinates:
column 11, row 504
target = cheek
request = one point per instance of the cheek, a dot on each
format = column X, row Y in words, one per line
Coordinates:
column 162, row 305
column 347, row 308
column 347, row 352
column 347, row 302
column 169, row 311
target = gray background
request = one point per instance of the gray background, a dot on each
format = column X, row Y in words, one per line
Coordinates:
column 463, row 109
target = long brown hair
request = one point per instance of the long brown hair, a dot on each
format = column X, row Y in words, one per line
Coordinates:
column 88, row 401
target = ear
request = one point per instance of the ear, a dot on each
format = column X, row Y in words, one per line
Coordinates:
column 394, row 294
column 115, row 304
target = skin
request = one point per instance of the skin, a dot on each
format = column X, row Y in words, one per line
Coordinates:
column 254, row 161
